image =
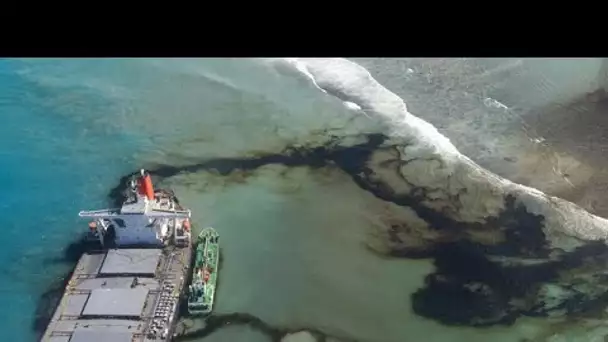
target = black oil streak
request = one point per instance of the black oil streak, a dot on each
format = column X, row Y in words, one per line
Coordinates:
column 215, row 322
column 461, row 264
column 467, row 288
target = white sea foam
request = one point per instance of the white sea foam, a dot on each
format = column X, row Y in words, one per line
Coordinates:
column 418, row 139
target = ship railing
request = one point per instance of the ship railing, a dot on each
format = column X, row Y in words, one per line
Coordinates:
column 100, row 213
column 164, row 271
column 64, row 298
column 169, row 213
column 79, row 291
column 86, row 276
column 153, row 213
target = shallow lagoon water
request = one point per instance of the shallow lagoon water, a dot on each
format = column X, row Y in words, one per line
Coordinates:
column 295, row 240
column 296, row 255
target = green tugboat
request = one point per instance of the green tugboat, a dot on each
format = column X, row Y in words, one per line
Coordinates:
column 204, row 278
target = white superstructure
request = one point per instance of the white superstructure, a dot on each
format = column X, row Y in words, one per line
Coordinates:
column 147, row 217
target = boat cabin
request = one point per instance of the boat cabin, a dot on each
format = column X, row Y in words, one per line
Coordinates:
column 147, row 218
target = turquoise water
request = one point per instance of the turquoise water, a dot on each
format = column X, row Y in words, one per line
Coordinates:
column 55, row 162
column 72, row 127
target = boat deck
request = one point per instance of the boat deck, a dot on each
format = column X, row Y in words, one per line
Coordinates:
column 130, row 294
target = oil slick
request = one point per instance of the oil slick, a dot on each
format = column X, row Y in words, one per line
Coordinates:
column 373, row 227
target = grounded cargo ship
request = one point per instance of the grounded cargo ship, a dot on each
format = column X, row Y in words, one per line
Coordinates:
column 130, row 287
column 201, row 293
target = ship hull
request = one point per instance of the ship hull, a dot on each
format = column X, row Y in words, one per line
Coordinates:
column 128, row 292
column 203, row 288
column 160, row 305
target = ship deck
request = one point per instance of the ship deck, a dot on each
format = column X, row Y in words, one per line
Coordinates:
column 122, row 295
